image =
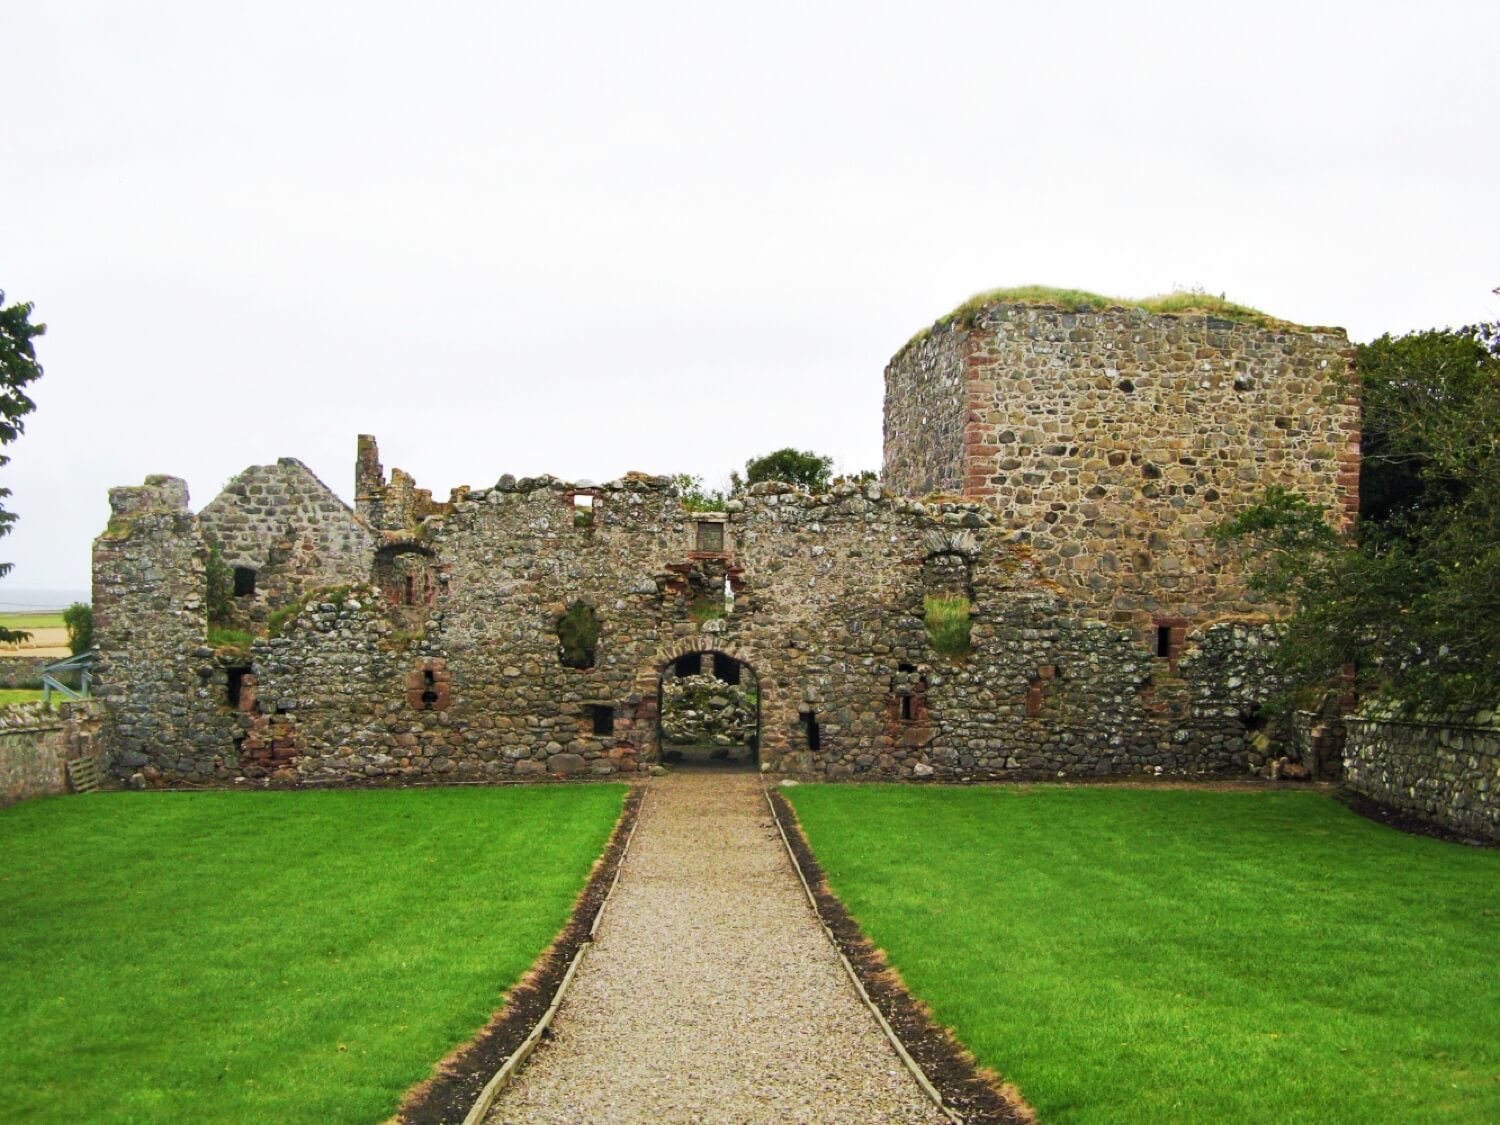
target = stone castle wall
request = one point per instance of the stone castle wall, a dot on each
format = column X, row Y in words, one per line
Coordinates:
column 1114, row 441
column 285, row 525
column 1446, row 772
column 37, row 742
column 442, row 660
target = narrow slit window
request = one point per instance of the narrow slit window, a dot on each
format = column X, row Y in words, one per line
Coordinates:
column 411, row 589
column 906, row 708
column 1164, row 641
column 429, row 686
column 814, row 734
column 235, row 686
column 244, row 581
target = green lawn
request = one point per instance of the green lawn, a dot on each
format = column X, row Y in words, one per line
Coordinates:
column 20, row 695
column 269, row 957
column 1167, row 955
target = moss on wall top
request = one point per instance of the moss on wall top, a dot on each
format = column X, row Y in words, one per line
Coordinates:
column 1179, row 303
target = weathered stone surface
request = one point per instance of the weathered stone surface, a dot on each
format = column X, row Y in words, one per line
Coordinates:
column 416, row 639
column 36, row 744
column 1446, row 772
column 826, row 620
column 1113, row 441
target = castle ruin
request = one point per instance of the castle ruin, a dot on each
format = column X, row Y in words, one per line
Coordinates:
column 1056, row 471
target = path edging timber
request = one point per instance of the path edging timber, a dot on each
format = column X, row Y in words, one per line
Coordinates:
column 438, row 1099
column 507, row 1071
column 906, row 1060
column 961, row 1091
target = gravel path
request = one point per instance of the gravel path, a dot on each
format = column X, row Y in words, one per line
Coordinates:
column 712, row 994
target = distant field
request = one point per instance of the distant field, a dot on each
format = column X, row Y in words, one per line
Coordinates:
column 49, row 637
column 9, row 696
column 31, row 620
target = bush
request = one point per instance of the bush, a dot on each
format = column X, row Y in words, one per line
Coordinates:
column 79, row 621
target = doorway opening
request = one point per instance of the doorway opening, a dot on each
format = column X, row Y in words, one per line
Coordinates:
column 708, row 711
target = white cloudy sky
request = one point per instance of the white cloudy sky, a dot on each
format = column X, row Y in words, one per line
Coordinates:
column 585, row 238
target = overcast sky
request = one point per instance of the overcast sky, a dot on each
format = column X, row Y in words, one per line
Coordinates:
column 589, row 238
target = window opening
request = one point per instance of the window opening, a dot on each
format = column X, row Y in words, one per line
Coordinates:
column 814, row 734
column 244, row 581
column 429, row 686
column 578, row 636
column 602, row 717
column 411, row 589
column 236, row 685
column 1164, row 640
column 688, row 664
column 726, row 668
column 583, row 509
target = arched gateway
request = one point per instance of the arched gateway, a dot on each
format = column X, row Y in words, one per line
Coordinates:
column 701, row 702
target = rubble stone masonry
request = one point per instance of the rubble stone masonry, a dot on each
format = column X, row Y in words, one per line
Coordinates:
column 411, row 639
column 1114, row 441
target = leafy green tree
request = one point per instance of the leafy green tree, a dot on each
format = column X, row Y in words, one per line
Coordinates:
column 696, row 497
column 18, row 369
column 803, row 468
column 79, row 620
column 1412, row 600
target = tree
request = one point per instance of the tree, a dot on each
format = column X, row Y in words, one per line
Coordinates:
column 18, row 369
column 1412, row 600
column 805, row 469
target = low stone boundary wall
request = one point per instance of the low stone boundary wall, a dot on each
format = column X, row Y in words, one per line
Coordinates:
column 1444, row 772
column 36, row 743
column 23, row 671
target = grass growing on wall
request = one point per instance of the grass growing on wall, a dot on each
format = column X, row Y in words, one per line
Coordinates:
column 1183, row 302
column 948, row 626
column 1148, row 955
column 270, row 957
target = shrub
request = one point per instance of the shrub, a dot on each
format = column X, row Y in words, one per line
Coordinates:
column 79, row 620
column 219, row 580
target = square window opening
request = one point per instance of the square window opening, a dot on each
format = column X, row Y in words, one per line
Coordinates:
column 601, row 717
column 244, row 581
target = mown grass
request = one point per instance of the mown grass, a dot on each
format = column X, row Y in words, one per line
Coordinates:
column 1129, row 955
column 269, row 957
column 1182, row 302
column 948, row 625
column 9, row 696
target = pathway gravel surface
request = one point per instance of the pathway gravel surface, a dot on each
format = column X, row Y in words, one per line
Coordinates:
column 712, row 994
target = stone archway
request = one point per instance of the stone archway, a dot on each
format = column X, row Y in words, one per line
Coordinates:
column 695, row 665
